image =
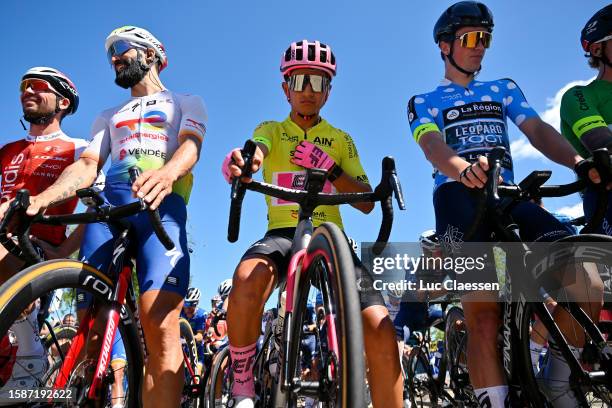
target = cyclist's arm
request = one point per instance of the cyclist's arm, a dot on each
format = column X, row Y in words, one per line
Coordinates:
column 353, row 178
column 580, row 112
column 80, row 174
column 441, row 155
column 154, row 185
column 597, row 138
column 67, row 248
column 548, row 141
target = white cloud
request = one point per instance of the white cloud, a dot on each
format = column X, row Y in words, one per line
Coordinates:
column 573, row 211
column 551, row 115
column 521, row 148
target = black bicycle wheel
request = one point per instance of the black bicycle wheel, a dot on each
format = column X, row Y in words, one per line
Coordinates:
column 596, row 392
column 62, row 278
column 456, row 358
column 332, row 271
column 191, row 397
column 421, row 385
column 220, row 376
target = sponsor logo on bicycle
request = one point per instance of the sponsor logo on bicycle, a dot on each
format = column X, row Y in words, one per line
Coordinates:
column 98, row 285
column 106, row 348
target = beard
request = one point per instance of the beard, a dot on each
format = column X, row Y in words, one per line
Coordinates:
column 38, row 117
column 131, row 74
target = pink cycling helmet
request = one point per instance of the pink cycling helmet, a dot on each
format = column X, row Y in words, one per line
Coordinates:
column 308, row 54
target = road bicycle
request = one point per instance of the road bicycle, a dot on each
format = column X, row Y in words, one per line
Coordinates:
column 321, row 259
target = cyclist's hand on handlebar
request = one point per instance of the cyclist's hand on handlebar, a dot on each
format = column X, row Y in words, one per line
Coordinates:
column 233, row 163
column 153, row 186
column 37, row 206
column 596, row 178
column 474, row 175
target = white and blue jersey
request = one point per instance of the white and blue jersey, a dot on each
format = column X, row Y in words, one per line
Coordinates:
column 472, row 119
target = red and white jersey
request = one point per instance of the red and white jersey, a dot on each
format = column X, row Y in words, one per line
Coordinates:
column 35, row 163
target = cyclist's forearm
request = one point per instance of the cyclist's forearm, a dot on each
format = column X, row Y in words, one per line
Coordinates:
column 183, row 159
column 548, row 141
column 80, row 174
column 347, row 184
column 72, row 242
column 441, row 156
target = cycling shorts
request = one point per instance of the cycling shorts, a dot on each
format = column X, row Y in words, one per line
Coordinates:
column 276, row 245
column 455, row 208
column 156, row 267
column 416, row 316
column 590, row 205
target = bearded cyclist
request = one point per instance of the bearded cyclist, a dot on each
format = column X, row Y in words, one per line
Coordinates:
column 161, row 132
column 586, row 111
column 456, row 126
column 34, row 163
column 286, row 149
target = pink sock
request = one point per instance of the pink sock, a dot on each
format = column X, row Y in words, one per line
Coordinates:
column 242, row 366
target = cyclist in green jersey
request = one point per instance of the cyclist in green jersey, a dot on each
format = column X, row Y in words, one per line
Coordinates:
column 286, row 149
column 586, row 111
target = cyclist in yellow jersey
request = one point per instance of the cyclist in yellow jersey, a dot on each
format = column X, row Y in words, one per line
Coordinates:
column 303, row 140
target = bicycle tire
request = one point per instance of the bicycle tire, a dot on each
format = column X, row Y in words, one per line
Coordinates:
column 456, row 358
column 62, row 332
column 221, row 356
column 33, row 282
column 191, row 349
column 420, row 380
column 334, row 267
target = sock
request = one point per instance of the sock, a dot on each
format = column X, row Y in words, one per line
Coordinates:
column 535, row 350
column 242, row 365
column 492, row 397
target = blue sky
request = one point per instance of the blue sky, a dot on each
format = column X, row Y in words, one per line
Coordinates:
column 229, row 51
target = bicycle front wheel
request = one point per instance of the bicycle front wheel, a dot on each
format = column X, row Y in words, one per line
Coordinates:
column 456, row 358
column 341, row 365
column 61, row 279
column 220, row 378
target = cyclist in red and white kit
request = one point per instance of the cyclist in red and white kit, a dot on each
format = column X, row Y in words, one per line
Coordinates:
column 34, row 163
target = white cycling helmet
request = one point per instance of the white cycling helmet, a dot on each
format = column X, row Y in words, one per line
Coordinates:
column 59, row 81
column 139, row 36
column 193, row 297
column 429, row 240
column 224, row 288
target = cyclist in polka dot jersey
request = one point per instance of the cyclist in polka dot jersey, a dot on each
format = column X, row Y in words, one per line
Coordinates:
column 473, row 119
column 456, row 126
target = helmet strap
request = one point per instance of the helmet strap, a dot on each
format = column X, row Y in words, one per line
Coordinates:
column 454, row 64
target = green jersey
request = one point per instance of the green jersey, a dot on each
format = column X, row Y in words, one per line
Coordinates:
column 584, row 108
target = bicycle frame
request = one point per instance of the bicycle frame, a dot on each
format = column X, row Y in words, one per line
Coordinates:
column 300, row 261
column 118, row 271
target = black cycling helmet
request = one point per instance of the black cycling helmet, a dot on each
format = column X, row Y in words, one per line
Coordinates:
column 462, row 14
column 597, row 28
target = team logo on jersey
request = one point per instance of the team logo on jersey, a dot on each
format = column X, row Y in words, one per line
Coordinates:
column 153, row 120
column 452, row 114
column 197, row 125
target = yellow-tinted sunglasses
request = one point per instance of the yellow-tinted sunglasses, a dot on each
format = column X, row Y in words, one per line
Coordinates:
column 472, row 38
